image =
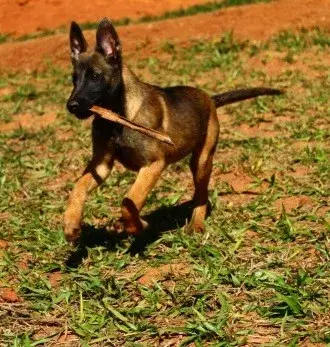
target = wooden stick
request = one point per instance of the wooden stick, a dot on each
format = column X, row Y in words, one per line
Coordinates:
column 114, row 117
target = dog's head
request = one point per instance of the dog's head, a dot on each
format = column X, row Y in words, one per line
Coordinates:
column 96, row 74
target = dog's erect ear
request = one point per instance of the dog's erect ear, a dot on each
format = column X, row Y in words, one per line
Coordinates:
column 78, row 43
column 107, row 40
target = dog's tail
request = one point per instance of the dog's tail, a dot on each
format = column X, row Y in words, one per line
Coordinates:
column 242, row 94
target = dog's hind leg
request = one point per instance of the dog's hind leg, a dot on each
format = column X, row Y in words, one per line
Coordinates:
column 135, row 199
column 95, row 173
column 201, row 168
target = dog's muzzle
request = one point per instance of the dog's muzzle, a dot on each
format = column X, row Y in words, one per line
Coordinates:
column 72, row 106
column 80, row 109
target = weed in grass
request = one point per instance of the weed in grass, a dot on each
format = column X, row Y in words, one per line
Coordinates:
column 4, row 38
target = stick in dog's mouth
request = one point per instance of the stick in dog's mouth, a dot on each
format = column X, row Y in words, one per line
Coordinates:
column 114, row 117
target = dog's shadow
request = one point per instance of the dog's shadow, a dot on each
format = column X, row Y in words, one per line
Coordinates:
column 160, row 221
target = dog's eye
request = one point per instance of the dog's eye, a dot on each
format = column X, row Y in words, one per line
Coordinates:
column 96, row 76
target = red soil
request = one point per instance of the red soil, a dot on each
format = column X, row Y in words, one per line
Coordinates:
column 26, row 16
column 9, row 295
column 3, row 244
column 55, row 279
column 28, row 121
column 292, row 202
column 160, row 273
column 254, row 22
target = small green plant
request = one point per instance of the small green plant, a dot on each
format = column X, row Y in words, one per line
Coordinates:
column 3, row 38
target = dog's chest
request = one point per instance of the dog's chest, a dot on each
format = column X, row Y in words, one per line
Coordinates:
column 131, row 149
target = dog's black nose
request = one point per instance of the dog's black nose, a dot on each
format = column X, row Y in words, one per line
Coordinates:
column 72, row 106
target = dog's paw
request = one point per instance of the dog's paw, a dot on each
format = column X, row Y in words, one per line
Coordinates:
column 194, row 228
column 136, row 229
column 72, row 233
column 116, row 226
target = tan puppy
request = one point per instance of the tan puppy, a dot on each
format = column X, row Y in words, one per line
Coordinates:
column 186, row 114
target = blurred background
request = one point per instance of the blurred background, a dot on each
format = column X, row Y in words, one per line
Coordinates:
column 23, row 20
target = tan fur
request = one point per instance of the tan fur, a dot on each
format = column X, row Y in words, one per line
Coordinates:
column 134, row 96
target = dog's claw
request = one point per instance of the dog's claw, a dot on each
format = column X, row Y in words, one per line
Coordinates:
column 116, row 227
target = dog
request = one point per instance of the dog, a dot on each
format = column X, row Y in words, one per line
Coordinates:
column 186, row 114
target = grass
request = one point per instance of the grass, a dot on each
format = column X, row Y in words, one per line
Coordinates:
column 258, row 276
column 182, row 12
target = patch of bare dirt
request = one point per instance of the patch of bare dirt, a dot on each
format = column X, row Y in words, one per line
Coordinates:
column 163, row 272
column 237, row 199
column 172, row 342
column 323, row 211
column 262, row 130
column 25, row 16
column 224, row 118
column 311, row 256
column 55, row 279
column 68, row 339
column 60, row 181
column 163, row 321
column 239, row 182
column 6, row 91
column 44, row 332
column 3, row 244
column 300, row 171
column 312, row 344
column 251, row 234
column 9, row 295
column 64, row 135
column 28, row 121
column 4, row 216
column 23, row 264
column 282, row 119
column 298, row 145
column 275, row 63
column 261, row 331
column 292, row 202
column 268, row 19
column 24, row 260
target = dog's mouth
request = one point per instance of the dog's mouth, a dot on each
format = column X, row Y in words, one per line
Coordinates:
column 83, row 115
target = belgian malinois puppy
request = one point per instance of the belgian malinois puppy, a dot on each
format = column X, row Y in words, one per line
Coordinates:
column 186, row 114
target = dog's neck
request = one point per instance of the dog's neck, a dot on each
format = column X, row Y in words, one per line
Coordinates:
column 134, row 91
column 127, row 98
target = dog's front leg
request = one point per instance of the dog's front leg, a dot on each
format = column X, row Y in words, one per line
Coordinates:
column 95, row 173
column 137, row 196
